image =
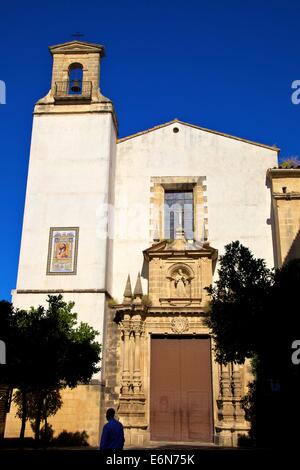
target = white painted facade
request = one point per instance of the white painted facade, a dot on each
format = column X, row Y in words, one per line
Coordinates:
column 81, row 175
column 69, row 184
column 68, row 180
column 238, row 199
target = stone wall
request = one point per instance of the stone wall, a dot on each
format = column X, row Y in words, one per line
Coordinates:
column 80, row 412
column 285, row 189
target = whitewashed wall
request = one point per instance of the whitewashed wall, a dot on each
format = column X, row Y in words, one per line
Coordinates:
column 71, row 163
column 237, row 196
column 67, row 186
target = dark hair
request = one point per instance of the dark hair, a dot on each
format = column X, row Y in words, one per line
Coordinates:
column 110, row 413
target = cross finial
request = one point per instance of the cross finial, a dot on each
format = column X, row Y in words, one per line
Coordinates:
column 138, row 290
column 179, row 229
column 128, row 290
column 77, row 35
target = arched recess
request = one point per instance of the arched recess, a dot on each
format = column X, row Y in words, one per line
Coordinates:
column 75, row 78
column 180, row 277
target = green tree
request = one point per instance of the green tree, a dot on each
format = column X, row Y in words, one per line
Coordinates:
column 49, row 351
column 290, row 162
column 5, row 391
column 253, row 314
column 238, row 302
column 52, row 402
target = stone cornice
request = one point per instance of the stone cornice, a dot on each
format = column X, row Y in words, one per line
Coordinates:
column 78, row 108
column 167, row 249
column 159, row 311
column 62, row 291
column 287, row 196
column 283, row 173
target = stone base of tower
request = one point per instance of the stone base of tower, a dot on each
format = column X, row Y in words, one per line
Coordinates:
column 80, row 412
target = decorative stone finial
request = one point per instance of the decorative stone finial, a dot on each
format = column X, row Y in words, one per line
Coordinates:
column 128, row 291
column 179, row 229
column 156, row 236
column 138, row 290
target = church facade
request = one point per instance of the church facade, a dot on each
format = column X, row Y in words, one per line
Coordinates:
column 130, row 230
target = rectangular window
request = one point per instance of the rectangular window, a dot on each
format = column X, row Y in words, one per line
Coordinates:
column 179, row 210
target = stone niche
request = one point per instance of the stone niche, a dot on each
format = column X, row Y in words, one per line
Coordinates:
column 179, row 271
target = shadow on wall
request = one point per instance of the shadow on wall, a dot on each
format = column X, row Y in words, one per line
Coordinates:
column 271, row 221
column 145, row 270
column 294, row 251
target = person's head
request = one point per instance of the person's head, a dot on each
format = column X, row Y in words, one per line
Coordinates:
column 110, row 413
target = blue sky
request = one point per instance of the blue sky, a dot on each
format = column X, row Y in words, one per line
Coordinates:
column 224, row 65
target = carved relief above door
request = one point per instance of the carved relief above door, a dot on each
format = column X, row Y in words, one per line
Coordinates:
column 179, row 279
column 179, row 271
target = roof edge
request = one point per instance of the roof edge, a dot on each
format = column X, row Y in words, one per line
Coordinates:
column 90, row 47
column 223, row 134
column 282, row 172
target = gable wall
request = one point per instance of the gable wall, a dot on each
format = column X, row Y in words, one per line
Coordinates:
column 238, row 200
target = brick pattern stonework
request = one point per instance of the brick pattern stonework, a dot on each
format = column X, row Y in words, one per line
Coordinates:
column 5, row 397
column 80, row 412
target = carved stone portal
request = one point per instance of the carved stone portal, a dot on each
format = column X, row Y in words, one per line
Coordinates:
column 176, row 305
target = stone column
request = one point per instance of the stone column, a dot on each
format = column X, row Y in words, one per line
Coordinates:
column 126, row 352
column 137, row 382
column 226, row 394
column 225, row 405
column 225, row 381
column 237, row 392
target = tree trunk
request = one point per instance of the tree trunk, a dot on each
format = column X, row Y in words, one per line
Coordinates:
column 38, row 420
column 45, row 424
column 24, row 418
column 45, row 434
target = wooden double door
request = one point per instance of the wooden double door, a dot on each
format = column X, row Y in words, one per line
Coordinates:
column 181, row 389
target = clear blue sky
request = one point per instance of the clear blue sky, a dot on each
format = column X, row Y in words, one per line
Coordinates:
column 225, row 65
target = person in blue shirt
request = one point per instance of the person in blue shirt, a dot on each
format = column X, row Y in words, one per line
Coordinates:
column 112, row 437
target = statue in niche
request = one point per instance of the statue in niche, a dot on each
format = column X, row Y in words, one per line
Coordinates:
column 181, row 282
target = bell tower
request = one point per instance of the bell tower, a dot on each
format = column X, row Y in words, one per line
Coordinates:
column 75, row 80
column 65, row 246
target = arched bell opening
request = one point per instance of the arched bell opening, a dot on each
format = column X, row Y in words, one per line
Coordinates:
column 75, row 79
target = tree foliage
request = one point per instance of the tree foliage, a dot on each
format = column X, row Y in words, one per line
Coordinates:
column 254, row 314
column 51, row 405
column 290, row 162
column 237, row 304
column 47, row 350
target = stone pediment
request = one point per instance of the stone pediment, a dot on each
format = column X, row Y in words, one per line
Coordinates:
column 77, row 47
column 203, row 129
column 172, row 247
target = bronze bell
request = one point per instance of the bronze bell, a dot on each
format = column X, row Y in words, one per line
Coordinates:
column 76, row 88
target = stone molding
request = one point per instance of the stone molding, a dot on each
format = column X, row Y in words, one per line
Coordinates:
column 62, row 291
